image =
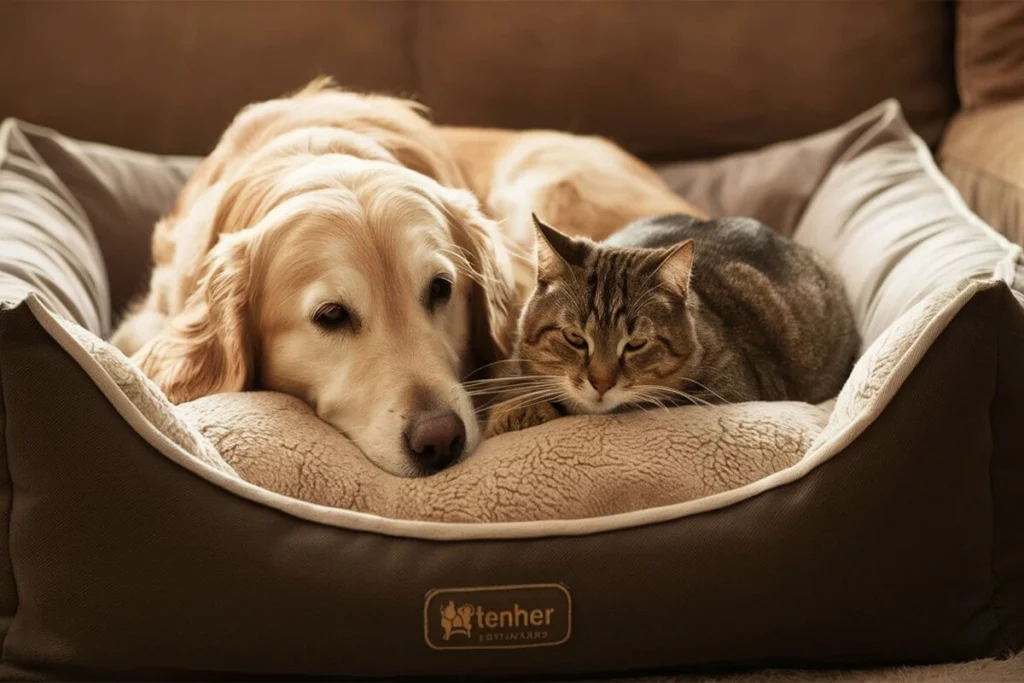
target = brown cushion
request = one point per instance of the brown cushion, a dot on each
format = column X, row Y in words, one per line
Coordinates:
column 122, row 193
column 667, row 79
column 46, row 241
column 76, row 219
column 989, row 51
column 982, row 152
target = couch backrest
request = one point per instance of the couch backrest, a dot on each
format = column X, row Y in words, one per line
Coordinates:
column 666, row 79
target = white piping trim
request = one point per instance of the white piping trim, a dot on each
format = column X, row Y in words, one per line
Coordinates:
column 442, row 531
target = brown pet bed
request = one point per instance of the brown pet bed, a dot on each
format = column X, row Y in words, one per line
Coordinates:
column 238, row 535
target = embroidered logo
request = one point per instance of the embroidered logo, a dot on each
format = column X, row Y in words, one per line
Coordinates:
column 491, row 617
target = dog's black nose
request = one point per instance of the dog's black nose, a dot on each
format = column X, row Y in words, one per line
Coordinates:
column 435, row 440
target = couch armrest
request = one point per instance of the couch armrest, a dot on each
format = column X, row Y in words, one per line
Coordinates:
column 982, row 152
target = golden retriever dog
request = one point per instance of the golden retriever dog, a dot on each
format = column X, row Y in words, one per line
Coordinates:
column 324, row 249
column 333, row 247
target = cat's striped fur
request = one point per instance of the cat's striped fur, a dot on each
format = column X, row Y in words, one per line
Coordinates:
column 674, row 309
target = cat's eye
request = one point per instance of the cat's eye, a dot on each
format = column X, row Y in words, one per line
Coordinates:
column 440, row 292
column 332, row 316
column 636, row 344
column 575, row 339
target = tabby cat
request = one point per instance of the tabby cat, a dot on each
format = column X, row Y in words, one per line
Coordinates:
column 670, row 310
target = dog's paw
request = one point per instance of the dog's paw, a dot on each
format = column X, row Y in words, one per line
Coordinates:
column 513, row 418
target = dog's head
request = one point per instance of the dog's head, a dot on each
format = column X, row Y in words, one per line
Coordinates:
column 362, row 287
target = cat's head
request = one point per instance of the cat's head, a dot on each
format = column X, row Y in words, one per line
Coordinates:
column 607, row 326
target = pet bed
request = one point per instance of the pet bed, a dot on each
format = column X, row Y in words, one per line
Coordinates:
column 239, row 536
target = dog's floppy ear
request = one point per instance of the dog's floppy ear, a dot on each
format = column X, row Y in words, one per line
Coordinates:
column 491, row 297
column 207, row 348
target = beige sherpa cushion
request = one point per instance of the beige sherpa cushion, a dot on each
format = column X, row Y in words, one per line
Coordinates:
column 571, row 468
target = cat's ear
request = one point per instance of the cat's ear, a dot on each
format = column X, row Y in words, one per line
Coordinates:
column 555, row 251
column 674, row 270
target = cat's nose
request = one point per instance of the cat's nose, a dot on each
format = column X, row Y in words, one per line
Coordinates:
column 602, row 383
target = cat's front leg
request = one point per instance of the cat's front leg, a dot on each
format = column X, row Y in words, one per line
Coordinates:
column 510, row 417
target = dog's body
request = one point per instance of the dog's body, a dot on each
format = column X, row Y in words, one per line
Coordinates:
column 328, row 248
column 553, row 174
column 588, row 182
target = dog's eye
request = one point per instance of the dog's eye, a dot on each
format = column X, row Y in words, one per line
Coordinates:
column 575, row 339
column 332, row 316
column 636, row 344
column 440, row 291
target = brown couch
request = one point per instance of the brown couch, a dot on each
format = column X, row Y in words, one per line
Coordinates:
column 840, row 580
column 669, row 80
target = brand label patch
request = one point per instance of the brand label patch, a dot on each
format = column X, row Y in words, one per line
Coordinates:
column 491, row 617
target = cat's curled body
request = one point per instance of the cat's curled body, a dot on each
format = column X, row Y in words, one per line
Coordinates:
column 673, row 309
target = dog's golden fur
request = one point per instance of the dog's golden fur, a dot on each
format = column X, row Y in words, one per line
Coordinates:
column 328, row 196
column 586, row 185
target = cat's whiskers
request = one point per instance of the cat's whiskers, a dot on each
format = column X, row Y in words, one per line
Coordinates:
column 653, row 392
column 706, row 389
column 724, row 383
column 519, row 390
column 489, row 366
column 643, row 400
column 659, row 404
column 509, row 383
column 509, row 378
column 533, row 397
column 503, row 386
column 689, row 396
column 516, row 392
column 529, row 399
